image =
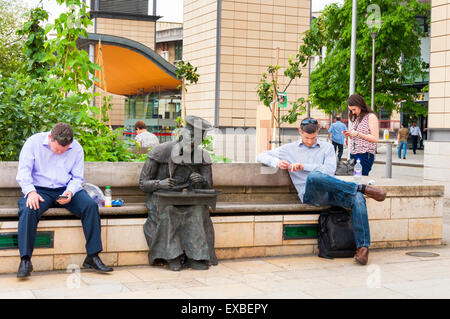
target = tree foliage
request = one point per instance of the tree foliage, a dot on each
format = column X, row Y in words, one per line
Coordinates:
column 398, row 55
column 11, row 19
column 268, row 88
column 54, row 85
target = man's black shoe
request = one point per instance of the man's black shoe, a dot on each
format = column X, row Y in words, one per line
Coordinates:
column 94, row 262
column 25, row 268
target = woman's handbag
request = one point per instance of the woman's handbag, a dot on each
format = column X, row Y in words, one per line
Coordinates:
column 345, row 168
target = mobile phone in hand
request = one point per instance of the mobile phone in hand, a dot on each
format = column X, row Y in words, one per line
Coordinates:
column 63, row 197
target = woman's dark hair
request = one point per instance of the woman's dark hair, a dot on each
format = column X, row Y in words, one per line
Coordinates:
column 62, row 133
column 357, row 100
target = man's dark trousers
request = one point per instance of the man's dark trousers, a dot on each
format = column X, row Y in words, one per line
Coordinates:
column 340, row 148
column 81, row 206
column 415, row 139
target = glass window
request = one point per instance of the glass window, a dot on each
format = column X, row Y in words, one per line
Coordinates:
column 178, row 51
column 158, row 110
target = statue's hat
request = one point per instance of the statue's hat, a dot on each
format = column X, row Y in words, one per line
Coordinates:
column 198, row 123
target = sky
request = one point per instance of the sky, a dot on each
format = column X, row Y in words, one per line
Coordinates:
column 170, row 10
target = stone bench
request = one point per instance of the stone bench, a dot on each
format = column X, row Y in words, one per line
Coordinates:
column 141, row 209
column 256, row 211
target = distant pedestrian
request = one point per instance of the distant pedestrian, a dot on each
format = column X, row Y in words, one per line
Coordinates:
column 402, row 140
column 336, row 136
column 415, row 134
column 143, row 137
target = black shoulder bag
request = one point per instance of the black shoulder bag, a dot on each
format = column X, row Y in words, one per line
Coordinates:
column 336, row 238
column 345, row 168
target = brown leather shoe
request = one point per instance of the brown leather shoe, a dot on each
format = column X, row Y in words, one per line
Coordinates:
column 362, row 255
column 377, row 193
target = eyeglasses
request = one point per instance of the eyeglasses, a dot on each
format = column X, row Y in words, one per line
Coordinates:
column 309, row 121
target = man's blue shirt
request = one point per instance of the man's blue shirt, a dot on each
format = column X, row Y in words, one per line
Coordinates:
column 40, row 166
column 336, row 132
column 321, row 156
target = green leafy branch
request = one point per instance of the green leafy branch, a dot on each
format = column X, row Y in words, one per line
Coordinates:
column 268, row 89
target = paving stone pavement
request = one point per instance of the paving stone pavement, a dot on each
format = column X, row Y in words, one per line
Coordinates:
column 390, row 274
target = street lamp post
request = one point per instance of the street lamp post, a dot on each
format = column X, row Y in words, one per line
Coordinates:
column 353, row 47
column 352, row 62
column 373, row 33
column 372, row 94
column 374, row 23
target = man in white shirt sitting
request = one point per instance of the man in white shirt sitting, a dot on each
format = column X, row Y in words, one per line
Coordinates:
column 311, row 164
column 143, row 137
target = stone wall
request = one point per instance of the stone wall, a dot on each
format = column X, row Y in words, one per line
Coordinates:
column 410, row 216
column 232, row 43
column 437, row 146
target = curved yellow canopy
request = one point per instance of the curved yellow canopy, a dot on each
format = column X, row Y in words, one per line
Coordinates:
column 130, row 68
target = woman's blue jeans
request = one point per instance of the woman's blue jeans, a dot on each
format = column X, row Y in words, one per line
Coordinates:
column 323, row 190
column 402, row 145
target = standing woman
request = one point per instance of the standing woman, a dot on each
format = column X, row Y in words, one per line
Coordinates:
column 364, row 133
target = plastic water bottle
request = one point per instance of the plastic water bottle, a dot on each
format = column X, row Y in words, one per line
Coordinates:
column 358, row 172
column 108, row 196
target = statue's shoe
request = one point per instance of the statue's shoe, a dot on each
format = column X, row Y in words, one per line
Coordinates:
column 174, row 264
column 197, row 264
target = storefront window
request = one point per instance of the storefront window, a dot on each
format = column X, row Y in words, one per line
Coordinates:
column 159, row 111
column 178, row 51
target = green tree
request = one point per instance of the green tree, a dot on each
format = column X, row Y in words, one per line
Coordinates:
column 11, row 55
column 188, row 75
column 398, row 55
column 268, row 88
column 54, row 86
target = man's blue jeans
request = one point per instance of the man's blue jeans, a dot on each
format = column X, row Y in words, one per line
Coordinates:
column 323, row 190
column 402, row 146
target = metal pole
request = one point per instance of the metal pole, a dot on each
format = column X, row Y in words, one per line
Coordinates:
column 309, row 86
column 309, row 63
column 372, row 102
column 389, row 160
column 352, row 63
column 353, row 48
column 92, row 59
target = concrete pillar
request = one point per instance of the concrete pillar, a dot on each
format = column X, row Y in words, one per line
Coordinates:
column 437, row 146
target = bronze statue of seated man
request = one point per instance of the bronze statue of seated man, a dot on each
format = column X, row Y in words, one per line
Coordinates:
column 177, row 178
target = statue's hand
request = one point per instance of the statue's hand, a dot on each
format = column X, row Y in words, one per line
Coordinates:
column 196, row 178
column 167, row 183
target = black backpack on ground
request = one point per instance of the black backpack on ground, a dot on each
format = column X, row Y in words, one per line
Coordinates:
column 335, row 237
